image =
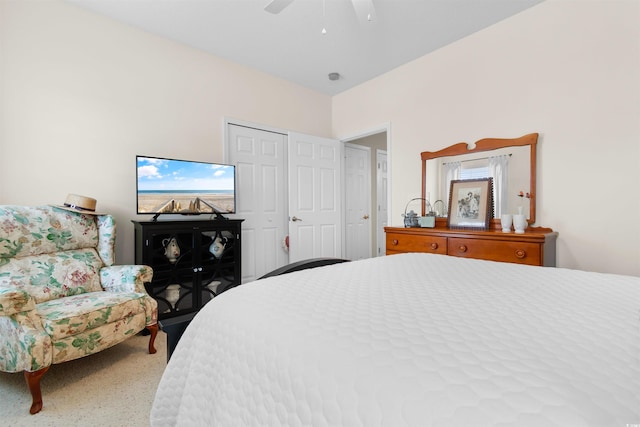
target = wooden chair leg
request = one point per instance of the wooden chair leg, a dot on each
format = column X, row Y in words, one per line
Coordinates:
column 33, row 382
column 153, row 329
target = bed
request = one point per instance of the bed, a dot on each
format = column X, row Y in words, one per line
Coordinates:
column 411, row 340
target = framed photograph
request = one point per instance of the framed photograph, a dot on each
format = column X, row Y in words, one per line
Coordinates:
column 470, row 204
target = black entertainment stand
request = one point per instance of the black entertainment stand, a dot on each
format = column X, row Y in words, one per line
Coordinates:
column 207, row 261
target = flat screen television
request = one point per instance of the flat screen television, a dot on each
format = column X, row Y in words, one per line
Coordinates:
column 172, row 186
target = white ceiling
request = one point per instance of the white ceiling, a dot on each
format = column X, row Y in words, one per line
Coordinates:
column 290, row 44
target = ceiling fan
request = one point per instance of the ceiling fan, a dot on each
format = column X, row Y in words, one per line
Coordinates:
column 362, row 7
column 276, row 6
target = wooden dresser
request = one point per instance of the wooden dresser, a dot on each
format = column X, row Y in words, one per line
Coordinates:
column 537, row 246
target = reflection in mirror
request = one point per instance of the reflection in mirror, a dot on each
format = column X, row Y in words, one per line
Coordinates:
column 509, row 168
column 510, row 162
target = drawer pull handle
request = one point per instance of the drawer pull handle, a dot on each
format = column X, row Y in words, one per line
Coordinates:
column 434, row 246
column 520, row 253
column 462, row 248
column 394, row 242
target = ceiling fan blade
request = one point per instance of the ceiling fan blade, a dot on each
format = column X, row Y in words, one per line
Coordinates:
column 276, row 6
column 364, row 10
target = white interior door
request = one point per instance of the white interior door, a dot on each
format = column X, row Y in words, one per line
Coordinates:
column 315, row 216
column 382, row 194
column 357, row 201
column 260, row 159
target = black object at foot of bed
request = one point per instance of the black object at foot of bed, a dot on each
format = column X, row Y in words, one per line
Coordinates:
column 303, row 265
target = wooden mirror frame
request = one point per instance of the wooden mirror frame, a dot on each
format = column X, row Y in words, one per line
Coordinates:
column 486, row 144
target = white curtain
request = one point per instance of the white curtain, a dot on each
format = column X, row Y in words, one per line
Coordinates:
column 451, row 172
column 499, row 170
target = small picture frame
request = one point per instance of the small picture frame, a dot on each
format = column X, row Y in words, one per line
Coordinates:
column 470, row 204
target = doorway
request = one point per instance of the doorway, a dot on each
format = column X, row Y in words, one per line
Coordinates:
column 377, row 143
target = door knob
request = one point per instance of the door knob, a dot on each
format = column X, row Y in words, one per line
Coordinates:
column 520, row 253
column 365, row 216
column 295, row 218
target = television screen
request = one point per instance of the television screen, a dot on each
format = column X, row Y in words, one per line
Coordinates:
column 184, row 187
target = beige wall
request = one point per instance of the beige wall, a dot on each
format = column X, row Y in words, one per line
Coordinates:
column 83, row 95
column 569, row 70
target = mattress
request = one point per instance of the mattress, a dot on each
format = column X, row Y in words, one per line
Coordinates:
column 411, row 340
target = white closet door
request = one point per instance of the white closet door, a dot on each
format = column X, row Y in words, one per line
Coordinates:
column 260, row 159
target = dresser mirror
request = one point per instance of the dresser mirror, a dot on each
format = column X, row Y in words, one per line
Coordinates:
column 510, row 162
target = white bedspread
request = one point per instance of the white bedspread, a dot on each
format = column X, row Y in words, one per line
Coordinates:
column 412, row 339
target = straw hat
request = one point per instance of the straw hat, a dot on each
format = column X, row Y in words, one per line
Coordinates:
column 80, row 204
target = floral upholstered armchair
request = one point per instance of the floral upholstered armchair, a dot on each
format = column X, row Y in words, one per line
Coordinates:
column 61, row 296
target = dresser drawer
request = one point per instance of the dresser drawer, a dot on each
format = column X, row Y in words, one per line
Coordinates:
column 516, row 252
column 398, row 242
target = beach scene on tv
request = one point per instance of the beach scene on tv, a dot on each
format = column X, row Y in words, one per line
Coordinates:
column 184, row 187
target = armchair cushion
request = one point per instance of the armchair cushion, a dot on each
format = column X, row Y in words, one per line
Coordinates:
column 35, row 231
column 81, row 324
column 94, row 340
column 64, row 317
column 54, row 275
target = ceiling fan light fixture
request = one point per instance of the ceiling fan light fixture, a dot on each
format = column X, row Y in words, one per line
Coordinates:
column 334, row 76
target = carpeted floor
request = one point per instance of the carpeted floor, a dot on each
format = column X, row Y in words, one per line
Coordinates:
column 112, row 388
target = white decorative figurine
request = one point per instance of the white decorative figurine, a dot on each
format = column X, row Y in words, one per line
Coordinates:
column 171, row 249
column 173, row 295
column 217, row 247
